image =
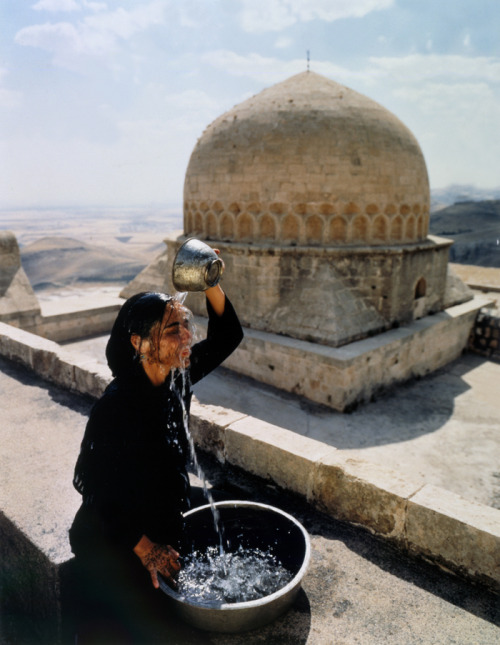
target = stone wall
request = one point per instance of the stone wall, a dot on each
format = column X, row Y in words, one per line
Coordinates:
column 485, row 337
column 75, row 325
column 342, row 377
column 331, row 296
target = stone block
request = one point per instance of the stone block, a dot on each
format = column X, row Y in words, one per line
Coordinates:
column 207, row 426
column 274, row 453
column 457, row 533
column 49, row 364
column 24, row 347
column 89, row 377
column 362, row 493
column 11, row 345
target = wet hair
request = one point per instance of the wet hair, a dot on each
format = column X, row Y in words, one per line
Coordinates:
column 138, row 315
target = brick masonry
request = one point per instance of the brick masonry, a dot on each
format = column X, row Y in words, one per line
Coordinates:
column 485, row 336
column 307, row 161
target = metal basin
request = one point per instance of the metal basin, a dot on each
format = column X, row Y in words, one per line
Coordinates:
column 250, row 525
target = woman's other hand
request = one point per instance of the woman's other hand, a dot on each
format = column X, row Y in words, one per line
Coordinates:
column 157, row 558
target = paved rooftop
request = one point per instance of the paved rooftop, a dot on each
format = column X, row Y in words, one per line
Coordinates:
column 442, row 429
column 358, row 588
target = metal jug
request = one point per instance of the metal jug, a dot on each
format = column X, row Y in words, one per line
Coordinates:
column 196, row 267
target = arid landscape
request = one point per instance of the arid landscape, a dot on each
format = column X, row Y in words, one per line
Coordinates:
column 69, row 248
column 89, row 247
column 475, row 230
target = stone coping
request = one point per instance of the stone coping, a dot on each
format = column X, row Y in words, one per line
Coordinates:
column 428, row 521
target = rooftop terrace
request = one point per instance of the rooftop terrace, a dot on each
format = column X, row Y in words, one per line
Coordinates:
column 409, row 477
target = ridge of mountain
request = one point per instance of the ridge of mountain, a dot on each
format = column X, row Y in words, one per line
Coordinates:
column 56, row 261
column 474, row 228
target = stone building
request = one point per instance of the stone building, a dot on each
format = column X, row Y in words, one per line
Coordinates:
column 19, row 305
column 323, row 196
column 318, row 199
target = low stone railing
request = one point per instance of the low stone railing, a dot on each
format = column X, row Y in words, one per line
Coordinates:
column 485, row 336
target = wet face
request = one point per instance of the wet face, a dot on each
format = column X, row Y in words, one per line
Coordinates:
column 175, row 337
column 169, row 343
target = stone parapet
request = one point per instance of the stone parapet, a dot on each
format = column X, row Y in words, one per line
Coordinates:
column 342, row 377
column 428, row 521
column 455, row 532
column 52, row 362
column 78, row 324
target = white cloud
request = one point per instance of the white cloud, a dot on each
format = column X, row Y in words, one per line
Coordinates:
column 191, row 100
column 147, row 164
column 413, row 71
column 57, row 5
column 124, row 24
column 419, row 67
column 453, row 125
column 405, row 70
column 433, row 97
column 96, row 35
column 283, row 42
column 66, row 40
column 275, row 15
column 95, row 6
column 465, row 110
column 265, row 69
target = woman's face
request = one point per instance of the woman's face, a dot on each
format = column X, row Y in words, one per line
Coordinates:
column 175, row 337
column 169, row 343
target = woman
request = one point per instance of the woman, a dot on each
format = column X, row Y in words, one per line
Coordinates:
column 132, row 467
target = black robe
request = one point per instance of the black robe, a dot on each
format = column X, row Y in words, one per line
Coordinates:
column 132, row 467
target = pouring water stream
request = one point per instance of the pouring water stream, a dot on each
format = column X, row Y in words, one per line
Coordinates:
column 228, row 577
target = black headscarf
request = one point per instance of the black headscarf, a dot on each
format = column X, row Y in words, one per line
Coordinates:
column 137, row 316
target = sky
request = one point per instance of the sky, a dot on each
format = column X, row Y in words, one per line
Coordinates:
column 102, row 102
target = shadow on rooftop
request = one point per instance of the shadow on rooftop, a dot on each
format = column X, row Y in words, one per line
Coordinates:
column 28, row 595
column 405, row 412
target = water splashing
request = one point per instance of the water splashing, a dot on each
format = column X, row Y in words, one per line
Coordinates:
column 199, row 472
column 247, row 574
column 219, row 575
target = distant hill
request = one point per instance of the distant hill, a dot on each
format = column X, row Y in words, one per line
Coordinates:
column 442, row 197
column 57, row 261
column 475, row 229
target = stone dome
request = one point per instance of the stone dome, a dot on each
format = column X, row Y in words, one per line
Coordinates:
column 307, row 162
